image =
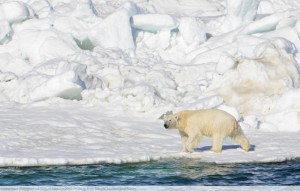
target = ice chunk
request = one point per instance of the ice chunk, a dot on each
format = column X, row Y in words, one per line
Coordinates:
column 239, row 12
column 186, row 8
column 157, row 41
column 14, row 11
column 225, row 63
column 287, row 22
column 5, row 32
column 53, row 68
column 275, row 21
column 51, row 79
column 3, row 98
column 13, row 64
column 287, row 33
column 204, row 103
column 57, row 47
column 7, row 76
column 271, row 6
column 266, row 49
column 42, row 45
column 192, row 31
column 115, row 30
column 85, row 8
column 42, row 8
column 247, row 44
column 285, row 114
column 112, row 78
column 265, row 7
column 251, row 120
column 204, row 56
column 154, row 22
column 130, row 7
column 265, row 24
column 297, row 27
column 140, row 98
column 60, row 85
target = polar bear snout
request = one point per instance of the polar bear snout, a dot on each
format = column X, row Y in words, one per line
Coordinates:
column 168, row 124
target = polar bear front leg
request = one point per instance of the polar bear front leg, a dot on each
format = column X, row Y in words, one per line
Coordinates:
column 184, row 139
column 190, row 143
column 217, row 144
column 197, row 140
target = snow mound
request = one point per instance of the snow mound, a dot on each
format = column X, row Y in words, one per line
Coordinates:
column 14, row 11
column 254, row 82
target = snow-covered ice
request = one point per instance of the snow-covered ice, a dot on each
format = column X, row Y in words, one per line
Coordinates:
column 71, row 134
column 14, row 11
column 84, row 82
column 153, row 22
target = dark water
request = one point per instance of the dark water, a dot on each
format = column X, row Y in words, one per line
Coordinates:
column 170, row 172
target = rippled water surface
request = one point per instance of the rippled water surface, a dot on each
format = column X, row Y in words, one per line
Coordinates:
column 170, row 172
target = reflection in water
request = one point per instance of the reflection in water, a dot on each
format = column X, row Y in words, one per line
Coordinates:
column 195, row 169
column 179, row 172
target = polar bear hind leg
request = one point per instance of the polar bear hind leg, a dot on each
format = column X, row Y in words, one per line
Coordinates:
column 184, row 140
column 217, row 144
column 241, row 139
column 197, row 140
column 192, row 142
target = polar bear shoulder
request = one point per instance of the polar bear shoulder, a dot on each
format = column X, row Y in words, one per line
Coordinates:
column 203, row 116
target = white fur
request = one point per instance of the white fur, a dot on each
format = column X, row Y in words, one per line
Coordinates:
column 214, row 123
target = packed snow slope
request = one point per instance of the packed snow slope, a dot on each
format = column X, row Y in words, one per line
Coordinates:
column 83, row 82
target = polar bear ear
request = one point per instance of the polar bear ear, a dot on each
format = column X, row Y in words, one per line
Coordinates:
column 162, row 117
column 177, row 118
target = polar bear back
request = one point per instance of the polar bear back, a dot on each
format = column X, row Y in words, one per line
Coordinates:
column 209, row 121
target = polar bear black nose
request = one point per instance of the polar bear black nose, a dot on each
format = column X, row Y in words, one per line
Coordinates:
column 166, row 126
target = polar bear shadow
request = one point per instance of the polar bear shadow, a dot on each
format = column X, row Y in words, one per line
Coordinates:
column 225, row 147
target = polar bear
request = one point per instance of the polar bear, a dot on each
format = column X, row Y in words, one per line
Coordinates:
column 194, row 124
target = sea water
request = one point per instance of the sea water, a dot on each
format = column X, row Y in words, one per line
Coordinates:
column 179, row 172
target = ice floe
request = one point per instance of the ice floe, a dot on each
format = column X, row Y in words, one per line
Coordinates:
column 83, row 82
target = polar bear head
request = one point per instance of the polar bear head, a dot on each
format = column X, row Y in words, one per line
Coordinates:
column 170, row 120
